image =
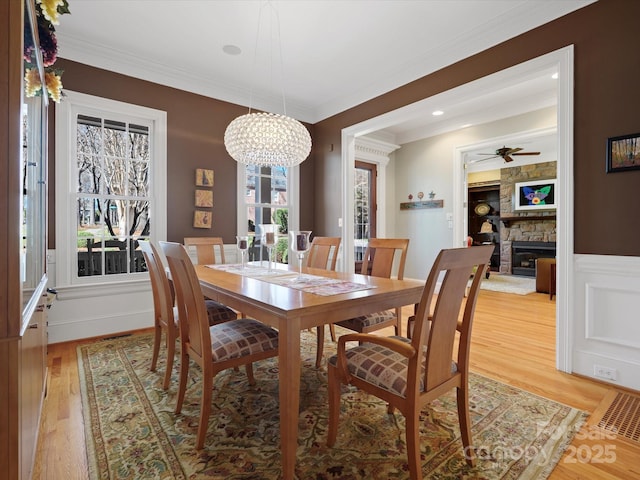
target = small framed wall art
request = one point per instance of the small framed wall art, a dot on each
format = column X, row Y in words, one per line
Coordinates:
column 623, row 153
column 204, row 198
column 204, row 177
column 202, row 219
column 535, row 195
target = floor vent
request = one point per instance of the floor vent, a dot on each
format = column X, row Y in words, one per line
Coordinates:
column 622, row 416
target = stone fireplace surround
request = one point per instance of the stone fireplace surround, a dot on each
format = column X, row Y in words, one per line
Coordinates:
column 537, row 227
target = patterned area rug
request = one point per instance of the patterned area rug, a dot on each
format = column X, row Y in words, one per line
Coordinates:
column 132, row 432
column 509, row 284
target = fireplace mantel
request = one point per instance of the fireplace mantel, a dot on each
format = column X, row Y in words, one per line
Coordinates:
column 507, row 221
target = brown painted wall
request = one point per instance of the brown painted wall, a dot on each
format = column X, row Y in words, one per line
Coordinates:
column 195, row 132
column 606, row 98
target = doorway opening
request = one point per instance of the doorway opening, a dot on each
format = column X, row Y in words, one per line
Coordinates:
column 560, row 60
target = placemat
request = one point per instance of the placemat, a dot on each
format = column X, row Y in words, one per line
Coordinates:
column 307, row 283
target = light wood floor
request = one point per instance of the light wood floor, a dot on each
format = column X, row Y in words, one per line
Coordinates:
column 513, row 342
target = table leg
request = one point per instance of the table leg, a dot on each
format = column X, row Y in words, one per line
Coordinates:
column 289, row 367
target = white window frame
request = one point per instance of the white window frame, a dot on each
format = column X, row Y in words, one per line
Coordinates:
column 293, row 195
column 75, row 103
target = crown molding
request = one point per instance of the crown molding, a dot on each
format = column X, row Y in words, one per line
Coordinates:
column 367, row 148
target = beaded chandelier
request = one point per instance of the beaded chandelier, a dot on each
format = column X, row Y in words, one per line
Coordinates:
column 267, row 139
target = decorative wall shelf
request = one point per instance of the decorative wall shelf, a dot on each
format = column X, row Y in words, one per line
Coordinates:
column 523, row 218
column 422, row 204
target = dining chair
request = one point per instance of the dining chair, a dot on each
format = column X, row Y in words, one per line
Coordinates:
column 166, row 315
column 213, row 348
column 323, row 253
column 206, row 249
column 378, row 261
column 408, row 374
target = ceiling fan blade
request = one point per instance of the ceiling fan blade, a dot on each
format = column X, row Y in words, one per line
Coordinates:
column 511, row 151
column 526, row 153
column 507, row 158
column 471, row 162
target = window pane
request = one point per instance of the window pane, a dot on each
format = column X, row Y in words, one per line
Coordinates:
column 250, row 194
column 116, row 171
column 362, row 208
column 89, row 173
column 89, row 135
column 139, row 179
column 115, row 139
column 138, row 224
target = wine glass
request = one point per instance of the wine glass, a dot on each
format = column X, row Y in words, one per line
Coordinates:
column 268, row 239
column 299, row 243
column 242, row 242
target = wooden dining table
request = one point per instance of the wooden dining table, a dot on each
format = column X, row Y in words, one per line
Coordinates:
column 290, row 311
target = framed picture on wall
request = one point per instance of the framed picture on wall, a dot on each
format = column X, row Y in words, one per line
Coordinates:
column 204, row 177
column 202, row 219
column 204, row 198
column 623, row 153
column 535, row 195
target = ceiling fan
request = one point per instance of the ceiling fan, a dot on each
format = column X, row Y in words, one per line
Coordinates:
column 506, row 153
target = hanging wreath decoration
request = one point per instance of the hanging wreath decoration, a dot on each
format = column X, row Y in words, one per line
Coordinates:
column 48, row 14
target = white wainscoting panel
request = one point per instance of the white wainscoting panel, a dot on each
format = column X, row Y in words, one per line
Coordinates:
column 86, row 311
column 606, row 327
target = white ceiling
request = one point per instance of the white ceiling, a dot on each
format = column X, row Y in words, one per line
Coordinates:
column 335, row 53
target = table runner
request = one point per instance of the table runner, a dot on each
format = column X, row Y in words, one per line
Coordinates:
column 307, row 283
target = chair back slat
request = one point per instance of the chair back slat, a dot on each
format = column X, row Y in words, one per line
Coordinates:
column 194, row 323
column 381, row 253
column 321, row 251
column 451, row 270
column 206, row 249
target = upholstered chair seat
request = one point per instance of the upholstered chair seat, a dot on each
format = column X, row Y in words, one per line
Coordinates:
column 365, row 323
column 382, row 367
column 241, row 338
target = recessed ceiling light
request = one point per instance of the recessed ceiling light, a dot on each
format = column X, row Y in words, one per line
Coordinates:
column 466, row 125
column 231, row 50
column 437, row 113
column 555, row 76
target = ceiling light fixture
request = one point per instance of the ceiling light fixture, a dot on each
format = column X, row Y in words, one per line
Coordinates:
column 268, row 139
column 437, row 113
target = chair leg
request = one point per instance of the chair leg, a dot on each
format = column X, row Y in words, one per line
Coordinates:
column 332, row 331
column 398, row 325
column 249, row 369
column 156, row 347
column 205, row 409
column 319, row 345
column 334, row 404
column 182, row 383
column 171, row 353
column 465, row 425
column 413, row 445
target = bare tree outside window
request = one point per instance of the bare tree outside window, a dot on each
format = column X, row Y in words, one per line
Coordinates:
column 113, row 195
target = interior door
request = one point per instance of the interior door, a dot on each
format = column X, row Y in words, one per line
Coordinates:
column 365, row 208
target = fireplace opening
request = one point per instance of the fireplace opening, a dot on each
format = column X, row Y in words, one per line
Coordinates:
column 524, row 255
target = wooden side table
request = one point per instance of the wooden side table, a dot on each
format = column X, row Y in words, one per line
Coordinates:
column 552, row 280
